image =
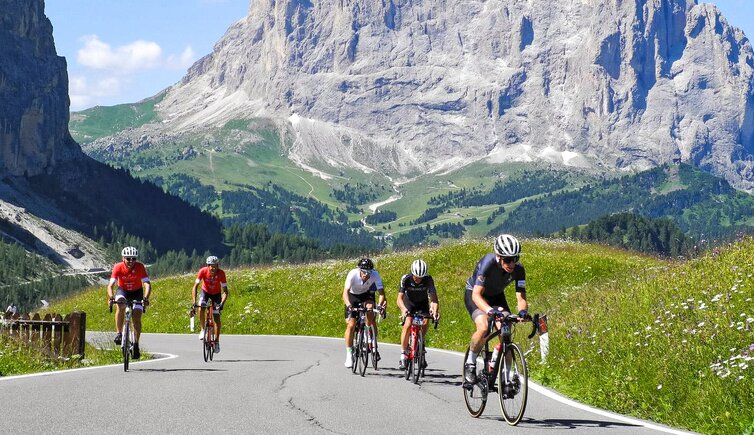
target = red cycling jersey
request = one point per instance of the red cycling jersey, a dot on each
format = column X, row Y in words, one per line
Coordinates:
column 211, row 284
column 130, row 280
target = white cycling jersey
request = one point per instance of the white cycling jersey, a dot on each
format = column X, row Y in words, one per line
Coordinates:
column 356, row 286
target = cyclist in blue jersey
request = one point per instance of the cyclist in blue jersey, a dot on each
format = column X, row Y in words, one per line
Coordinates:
column 361, row 285
column 414, row 296
column 485, row 293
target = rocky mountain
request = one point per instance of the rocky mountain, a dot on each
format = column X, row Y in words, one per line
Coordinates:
column 416, row 86
column 55, row 200
column 34, row 93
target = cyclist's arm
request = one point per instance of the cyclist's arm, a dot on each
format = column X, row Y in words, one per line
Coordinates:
column 225, row 294
column 110, row 288
column 478, row 299
column 434, row 305
column 346, row 289
column 193, row 291
column 147, row 289
column 400, row 303
column 521, row 301
column 382, row 301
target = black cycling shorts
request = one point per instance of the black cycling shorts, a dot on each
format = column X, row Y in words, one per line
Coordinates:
column 496, row 301
column 357, row 301
column 135, row 295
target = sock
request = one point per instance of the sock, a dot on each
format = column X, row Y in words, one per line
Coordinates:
column 472, row 358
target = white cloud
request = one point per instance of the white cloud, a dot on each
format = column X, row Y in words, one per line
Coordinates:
column 124, row 59
column 182, row 61
column 84, row 92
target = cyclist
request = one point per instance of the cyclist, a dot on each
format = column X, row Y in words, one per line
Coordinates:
column 215, row 287
column 133, row 285
column 412, row 298
column 361, row 285
column 485, row 292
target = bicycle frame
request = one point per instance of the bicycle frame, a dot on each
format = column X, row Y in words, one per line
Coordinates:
column 362, row 345
column 416, row 346
column 208, row 345
column 128, row 333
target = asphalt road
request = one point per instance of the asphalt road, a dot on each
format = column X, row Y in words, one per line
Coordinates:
column 276, row 384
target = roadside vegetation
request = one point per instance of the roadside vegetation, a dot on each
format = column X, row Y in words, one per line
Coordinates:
column 661, row 340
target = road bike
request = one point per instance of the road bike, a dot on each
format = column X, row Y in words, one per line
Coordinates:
column 504, row 373
column 365, row 343
column 208, row 338
column 416, row 360
column 127, row 343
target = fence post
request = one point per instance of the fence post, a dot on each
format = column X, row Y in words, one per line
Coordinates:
column 35, row 330
column 79, row 329
column 47, row 333
column 25, row 327
column 57, row 335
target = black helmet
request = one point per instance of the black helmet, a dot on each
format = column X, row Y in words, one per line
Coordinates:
column 366, row 264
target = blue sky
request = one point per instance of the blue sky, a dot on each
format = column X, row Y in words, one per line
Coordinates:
column 122, row 51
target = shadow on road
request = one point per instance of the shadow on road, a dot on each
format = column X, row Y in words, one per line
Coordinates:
column 561, row 423
column 178, row 370
column 252, row 360
column 431, row 376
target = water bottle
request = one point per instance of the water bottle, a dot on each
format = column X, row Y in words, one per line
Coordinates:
column 495, row 352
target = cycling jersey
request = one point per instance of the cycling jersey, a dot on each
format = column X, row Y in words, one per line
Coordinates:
column 356, row 286
column 490, row 275
column 130, row 280
column 416, row 295
column 211, row 284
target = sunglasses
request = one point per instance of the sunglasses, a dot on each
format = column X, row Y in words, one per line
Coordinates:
column 130, row 258
column 509, row 260
column 365, row 271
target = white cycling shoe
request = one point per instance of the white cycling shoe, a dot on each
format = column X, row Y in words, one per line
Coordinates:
column 201, row 335
column 349, row 360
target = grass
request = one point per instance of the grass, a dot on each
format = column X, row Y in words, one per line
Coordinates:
column 630, row 333
column 16, row 358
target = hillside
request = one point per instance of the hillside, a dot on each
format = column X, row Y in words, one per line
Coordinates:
column 630, row 333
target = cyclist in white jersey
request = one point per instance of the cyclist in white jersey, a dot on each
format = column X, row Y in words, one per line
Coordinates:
column 361, row 285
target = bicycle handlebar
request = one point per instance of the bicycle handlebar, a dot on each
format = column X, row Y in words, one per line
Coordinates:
column 436, row 321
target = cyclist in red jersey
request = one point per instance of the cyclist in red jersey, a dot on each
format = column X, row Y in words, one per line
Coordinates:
column 215, row 287
column 133, row 285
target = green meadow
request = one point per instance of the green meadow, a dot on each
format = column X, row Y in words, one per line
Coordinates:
column 661, row 340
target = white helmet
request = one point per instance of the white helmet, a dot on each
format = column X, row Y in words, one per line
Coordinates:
column 213, row 260
column 129, row 251
column 506, row 246
column 419, row 268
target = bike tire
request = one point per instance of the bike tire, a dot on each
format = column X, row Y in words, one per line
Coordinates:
column 205, row 345
column 363, row 351
column 355, row 351
column 409, row 357
column 374, row 351
column 476, row 396
column 211, row 335
column 513, row 398
column 417, row 371
column 126, row 345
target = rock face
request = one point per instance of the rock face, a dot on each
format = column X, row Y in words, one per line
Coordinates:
column 422, row 86
column 34, row 93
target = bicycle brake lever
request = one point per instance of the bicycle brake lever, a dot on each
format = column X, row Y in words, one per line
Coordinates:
column 534, row 322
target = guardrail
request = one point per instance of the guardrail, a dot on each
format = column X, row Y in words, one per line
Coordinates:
column 55, row 335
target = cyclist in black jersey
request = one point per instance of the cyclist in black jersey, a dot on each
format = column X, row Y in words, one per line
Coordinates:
column 412, row 298
column 485, row 292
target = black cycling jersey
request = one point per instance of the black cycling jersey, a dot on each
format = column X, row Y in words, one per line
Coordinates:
column 490, row 275
column 417, row 294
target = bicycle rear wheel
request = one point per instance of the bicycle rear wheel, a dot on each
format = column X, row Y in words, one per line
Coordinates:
column 363, row 351
column 513, row 385
column 475, row 395
column 126, row 345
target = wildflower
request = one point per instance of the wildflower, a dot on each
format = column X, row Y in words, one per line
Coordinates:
column 659, row 387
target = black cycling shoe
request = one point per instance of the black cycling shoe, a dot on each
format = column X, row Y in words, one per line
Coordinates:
column 377, row 355
column 137, row 354
column 469, row 374
column 118, row 339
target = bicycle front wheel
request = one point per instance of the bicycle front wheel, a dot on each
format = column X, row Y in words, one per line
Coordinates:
column 409, row 358
column 211, row 336
column 363, row 351
column 418, row 358
column 205, row 344
column 126, row 345
column 474, row 395
column 374, row 349
column 513, row 384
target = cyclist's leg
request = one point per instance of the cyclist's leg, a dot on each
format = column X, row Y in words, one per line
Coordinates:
column 202, row 302
column 136, row 313
column 120, row 309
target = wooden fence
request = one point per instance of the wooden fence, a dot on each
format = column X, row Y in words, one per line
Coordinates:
column 54, row 335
